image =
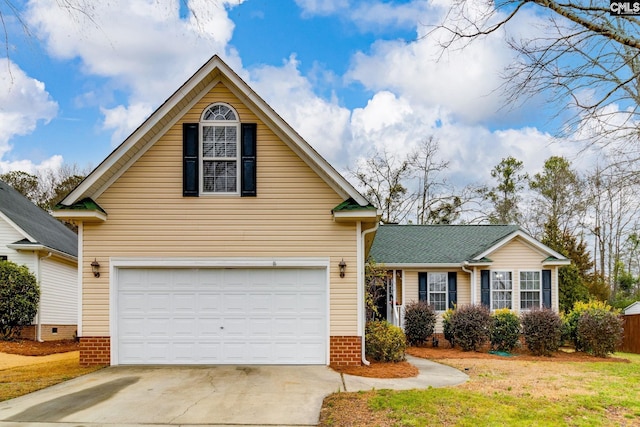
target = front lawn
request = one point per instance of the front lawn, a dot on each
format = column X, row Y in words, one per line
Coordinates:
column 505, row 392
column 43, row 372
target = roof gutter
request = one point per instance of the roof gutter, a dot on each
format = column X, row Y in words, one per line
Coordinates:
column 361, row 244
column 41, row 247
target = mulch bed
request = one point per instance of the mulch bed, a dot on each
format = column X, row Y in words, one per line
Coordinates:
column 563, row 355
column 35, row 348
column 380, row 370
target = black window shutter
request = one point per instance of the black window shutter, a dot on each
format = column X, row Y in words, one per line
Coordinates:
column 546, row 288
column 452, row 288
column 422, row 286
column 485, row 290
column 190, row 161
column 248, row 160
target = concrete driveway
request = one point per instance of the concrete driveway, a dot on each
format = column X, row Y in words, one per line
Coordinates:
column 202, row 395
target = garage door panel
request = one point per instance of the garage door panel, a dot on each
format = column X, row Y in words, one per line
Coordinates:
column 157, row 327
column 191, row 316
column 158, row 303
column 209, row 302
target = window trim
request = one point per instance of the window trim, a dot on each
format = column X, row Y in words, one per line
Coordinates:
column 202, row 159
column 520, row 290
column 445, row 292
column 492, row 290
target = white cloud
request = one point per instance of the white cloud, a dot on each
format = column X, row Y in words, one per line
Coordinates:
column 320, row 122
column 398, row 125
column 122, row 120
column 144, row 48
column 321, row 7
column 24, row 102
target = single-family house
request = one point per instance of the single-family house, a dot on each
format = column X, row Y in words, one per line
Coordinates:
column 30, row 236
column 215, row 234
column 499, row 266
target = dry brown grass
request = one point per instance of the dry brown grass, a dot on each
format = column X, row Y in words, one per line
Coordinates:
column 21, row 380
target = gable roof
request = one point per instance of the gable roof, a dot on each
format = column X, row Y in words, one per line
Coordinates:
column 447, row 244
column 36, row 225
column 211, row 73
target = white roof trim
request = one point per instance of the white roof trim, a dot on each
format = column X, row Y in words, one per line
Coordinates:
column 246, row 94
column 418, row 265
column 533, row 242
column 74, row 214
column 16, row 227
column 40, row 247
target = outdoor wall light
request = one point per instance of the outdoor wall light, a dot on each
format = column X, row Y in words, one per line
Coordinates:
column 343, row 267
column 95, row 268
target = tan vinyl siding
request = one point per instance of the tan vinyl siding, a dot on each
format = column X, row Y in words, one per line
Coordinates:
column 290, row 217
column 517, row 256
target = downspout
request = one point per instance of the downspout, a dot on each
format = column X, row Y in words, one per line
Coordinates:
column 39, row 316
column 363, row 290
column 465, row 266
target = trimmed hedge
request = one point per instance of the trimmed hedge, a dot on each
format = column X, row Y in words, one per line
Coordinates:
column 470, row 326
column 505, row 330
column 19, row 297
column 542, row 330
column 419, row 322
column 384, row 342
column 599, row 332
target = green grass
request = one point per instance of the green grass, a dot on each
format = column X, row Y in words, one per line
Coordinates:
column 608, row 394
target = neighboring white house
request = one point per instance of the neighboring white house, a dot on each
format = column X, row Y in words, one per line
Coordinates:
column 632, row 309
column 30, row 236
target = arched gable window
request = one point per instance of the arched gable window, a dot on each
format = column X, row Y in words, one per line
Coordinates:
column 219, row 154
column 220, row 131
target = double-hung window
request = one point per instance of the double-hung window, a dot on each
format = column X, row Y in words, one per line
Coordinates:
column 220, row 153
column 501, row 289
column 437, row 283
column 530, row 290
column 439, row 289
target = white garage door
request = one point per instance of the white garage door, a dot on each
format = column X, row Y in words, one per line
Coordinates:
column 221, row 316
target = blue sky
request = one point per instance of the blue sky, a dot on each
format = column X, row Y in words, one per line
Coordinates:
column 348, row 75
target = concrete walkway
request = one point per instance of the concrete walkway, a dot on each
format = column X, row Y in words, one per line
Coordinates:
column 202, row 395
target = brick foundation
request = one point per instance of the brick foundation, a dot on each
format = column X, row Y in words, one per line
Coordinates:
column 345, row 351
column 50, row 332
column 95, row 351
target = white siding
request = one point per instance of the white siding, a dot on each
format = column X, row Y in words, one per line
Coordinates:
column 9, row 235
column 59, row 292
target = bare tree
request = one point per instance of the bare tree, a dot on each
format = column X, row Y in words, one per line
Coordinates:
column 46, row 188
column 584, row 58
column 614, row 208
column 435, row 202
column 382, row 178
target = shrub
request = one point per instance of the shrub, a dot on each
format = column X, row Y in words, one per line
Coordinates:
column 385, row 342
column 505, row 330
column 19, row 297
column 571, row 320
column 470, row 326
column 447, row 331
column 419, row 322
column 599, row 332
column 542, row 330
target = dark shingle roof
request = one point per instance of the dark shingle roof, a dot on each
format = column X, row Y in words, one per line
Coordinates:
column 37, row 223
column 435, row 244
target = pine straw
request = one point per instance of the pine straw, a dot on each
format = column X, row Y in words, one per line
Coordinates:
column 35, row 348
column 380, row 370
